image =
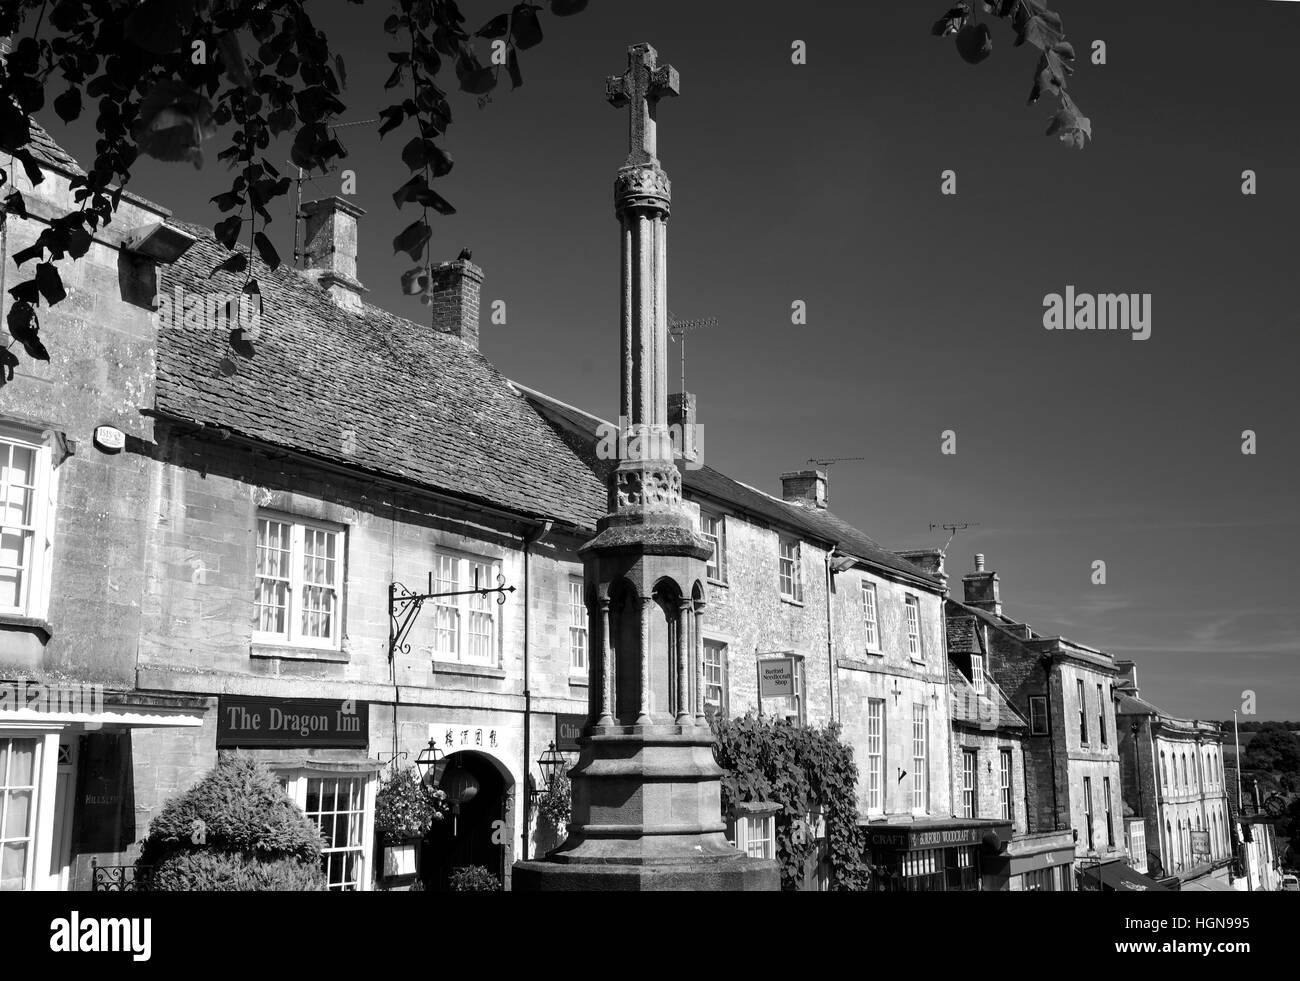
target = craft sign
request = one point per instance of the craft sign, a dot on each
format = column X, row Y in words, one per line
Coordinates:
column 776, row 677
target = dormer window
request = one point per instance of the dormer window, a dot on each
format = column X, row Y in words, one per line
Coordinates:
column 977, row 673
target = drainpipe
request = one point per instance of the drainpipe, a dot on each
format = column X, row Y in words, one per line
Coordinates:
column 1046, row 661
column 529, row 540
column 830, row 649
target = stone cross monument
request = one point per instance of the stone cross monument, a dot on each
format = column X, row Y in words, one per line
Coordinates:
column 646, row 790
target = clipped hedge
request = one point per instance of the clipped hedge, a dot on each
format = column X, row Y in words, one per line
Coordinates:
column 235, row 830
column 802, row 768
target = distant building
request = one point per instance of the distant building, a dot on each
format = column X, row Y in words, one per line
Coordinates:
column 1257, row 866
column 1173, row 779
column 1064, row 691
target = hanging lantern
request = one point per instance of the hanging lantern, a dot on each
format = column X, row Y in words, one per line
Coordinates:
column 461, row 786
column 431, row 762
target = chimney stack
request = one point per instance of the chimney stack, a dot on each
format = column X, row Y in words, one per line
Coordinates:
column 804, row 487
column 454, row 290
column 927, row 560
column 681, row 413
column 981, row 588
column 331, row 251
column 1127, row 681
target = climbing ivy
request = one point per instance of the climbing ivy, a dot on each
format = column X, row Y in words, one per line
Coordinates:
column 802, row 768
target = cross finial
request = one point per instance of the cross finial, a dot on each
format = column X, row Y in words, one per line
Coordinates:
column 643, row 84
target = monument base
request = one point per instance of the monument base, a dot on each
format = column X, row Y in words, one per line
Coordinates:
column 739, row 874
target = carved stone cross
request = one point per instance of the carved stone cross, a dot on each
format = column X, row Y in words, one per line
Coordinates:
column 641, row 87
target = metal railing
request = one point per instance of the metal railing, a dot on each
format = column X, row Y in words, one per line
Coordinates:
column 118, row 878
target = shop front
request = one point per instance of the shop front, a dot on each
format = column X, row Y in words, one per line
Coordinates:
column 66, row 775
column 319, row 751
column 1037, row 862
column 933, row 856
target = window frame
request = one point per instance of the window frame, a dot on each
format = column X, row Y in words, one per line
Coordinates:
column 1087, row 811
column 871, row 615
column 34, row 593
column 977, row 677
column 1083, row 712
column 295, row 782
column 875, row 759
column 920, row 763
column 579, row 634
column 795, row 595
column 1047, row 722
column 297, row 586
column 1101, row 715
column 722, row 705
column 719, row 539
column 465, row 608
column 970, row 783
column 912, row 618
column 1005, row 779
column 1110, row 819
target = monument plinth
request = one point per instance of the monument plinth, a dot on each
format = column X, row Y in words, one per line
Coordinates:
column 647, row 797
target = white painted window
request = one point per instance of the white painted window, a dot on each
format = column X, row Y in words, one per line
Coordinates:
column 712, row 528
column 869, row 615
column 577, row 627
column 920, row 774
column 26, row 523
column 1004, row 782
column 1101, row 713
column 18, row 777
column 1087, row 807
column 299, row 582
column 875, row 755
column 969, row 762
column 756, row 835
column 1137, row 845
column 715, row 687
column 342, row 805
column 913, row 608
column 1083, row 713
column 977, row 673
column 791, row 570
column 464, row 626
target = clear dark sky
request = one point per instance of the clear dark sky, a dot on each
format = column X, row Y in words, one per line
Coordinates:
column 821, row 182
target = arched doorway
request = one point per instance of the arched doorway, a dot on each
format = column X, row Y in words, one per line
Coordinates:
column 474, row 836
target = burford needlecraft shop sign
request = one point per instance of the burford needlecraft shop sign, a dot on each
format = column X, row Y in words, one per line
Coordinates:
column 908, row 839
column 245, row 720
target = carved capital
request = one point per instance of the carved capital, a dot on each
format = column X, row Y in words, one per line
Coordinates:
column 649, row 487
column 642, row 187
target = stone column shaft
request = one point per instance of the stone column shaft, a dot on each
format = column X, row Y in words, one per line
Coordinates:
column 699, row 665
column 606, row 668
column 683, row 663
column 643, row 719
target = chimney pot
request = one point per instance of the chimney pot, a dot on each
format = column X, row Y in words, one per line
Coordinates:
column 804, row 487
column 330, row 230
column 681, row 413
column 454, row 290
column 981, row 588
column 979, row 561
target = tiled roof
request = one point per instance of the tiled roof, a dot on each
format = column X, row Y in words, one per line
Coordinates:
column 368, row 390
column 579, row 430
column 988, row 711
column 1132, row 705
column 45, row 151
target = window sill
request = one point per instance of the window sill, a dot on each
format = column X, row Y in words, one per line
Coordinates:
column 37, row 625
column 474, row 670
column 579, row 681
column 290, row 652
column 717, row 582
column 918, row 660
column 871, row 653
column 791, row 600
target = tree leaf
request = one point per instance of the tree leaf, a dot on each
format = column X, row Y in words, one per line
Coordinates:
column 496, row 27
column 512, row 66
column 227, row 230
column 24, row 326
column 50, row 283
column 236, row 262
column 266, row 250
column 566, row 8
column 525, row 28
column 68, row 105
column 412, row 238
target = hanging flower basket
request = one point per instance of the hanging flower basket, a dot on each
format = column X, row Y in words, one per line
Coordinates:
column 405, row 809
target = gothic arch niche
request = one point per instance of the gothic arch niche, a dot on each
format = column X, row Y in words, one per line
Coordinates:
column 664, row 624
column 625, row 634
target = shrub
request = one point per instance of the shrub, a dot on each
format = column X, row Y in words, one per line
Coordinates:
column 802, row 768
column 474, row 878
column 556, row 804
column 235, row 830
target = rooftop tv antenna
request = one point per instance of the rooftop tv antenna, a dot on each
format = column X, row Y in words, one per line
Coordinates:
column 953, row 528
column 303, row 179
column 829, row 462
column 679, row 329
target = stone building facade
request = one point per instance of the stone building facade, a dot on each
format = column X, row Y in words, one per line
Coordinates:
column 1174, row 781
column 1064, row 691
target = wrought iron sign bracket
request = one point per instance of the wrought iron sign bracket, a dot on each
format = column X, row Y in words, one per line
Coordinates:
column 404, row 608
